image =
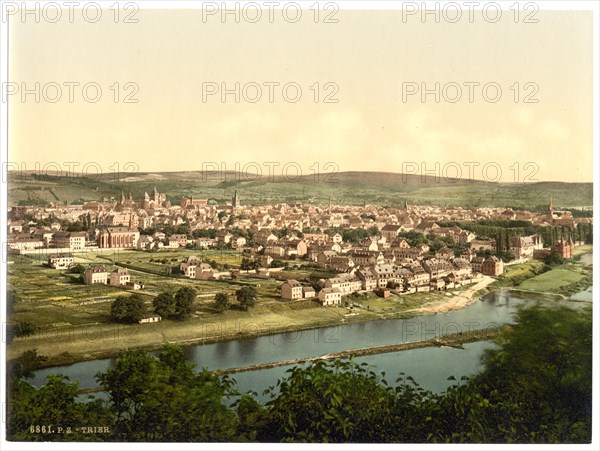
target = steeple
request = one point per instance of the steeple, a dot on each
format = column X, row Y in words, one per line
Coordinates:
column 235, row 201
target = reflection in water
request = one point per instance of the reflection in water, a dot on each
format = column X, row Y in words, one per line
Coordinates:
column 493, row 311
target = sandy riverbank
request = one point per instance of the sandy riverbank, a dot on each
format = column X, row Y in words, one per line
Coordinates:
column 456, row 302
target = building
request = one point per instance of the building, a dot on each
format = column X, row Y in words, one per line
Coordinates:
column 60, row 261
column 119, row 277
column 477, row 264
column 492, row 266
column 390, row 232
column 483, row 245
column 189, row 265
column 346, row 283
column 95, row 275
column 291, row 290
column 71, row 240
column 117, row 237
column 524, row 246
column 235, row 202
column 194, row 203
column 154, row 318
column 308, row 292
column 564, row 248
column 330, row 296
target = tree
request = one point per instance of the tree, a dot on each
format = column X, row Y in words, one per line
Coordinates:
column 128, row 309
column 178, row 305
column 24, row 329
column 163, row 399
column 222, row 301
column 249, row 264
column 246, row 296
column 36, row 414
column 184, row 302
column 164, row 304
column 77, row 269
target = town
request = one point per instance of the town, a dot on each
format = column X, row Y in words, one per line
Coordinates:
column 366, row 248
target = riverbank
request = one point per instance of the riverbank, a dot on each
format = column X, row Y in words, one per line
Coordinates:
column 457, row 301
column 104, row 340
column 453, row 340
column 64, row 346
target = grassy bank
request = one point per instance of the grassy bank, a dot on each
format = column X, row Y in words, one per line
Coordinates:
column 537, row 277
column 72, row 318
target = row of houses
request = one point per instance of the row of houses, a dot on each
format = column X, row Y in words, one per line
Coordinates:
column 430, row 275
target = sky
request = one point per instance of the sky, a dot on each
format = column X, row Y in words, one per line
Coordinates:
column 357, row 109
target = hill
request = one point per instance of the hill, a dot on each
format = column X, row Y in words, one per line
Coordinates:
column 350, row 188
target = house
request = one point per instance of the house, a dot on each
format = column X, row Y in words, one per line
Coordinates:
column 119, row 277
column 180, row 239
column 154, row 318
column 468, row 254
column 465, row 237
column 346, row 283
column 368, row 278
column 188, row 266
column 437, row 268
column 291, row 290
column 492, row 266
column 330, row 296
column 95, row 274
column 145, row 242
column 444, row 253
column 205, row 243
column 237, row 241
column 23, row 241
column 60, row 261
column 264, row 237
column 477, row 264
column 308, row 292
column 390, row 232
column 321, row 238
column 339, row 263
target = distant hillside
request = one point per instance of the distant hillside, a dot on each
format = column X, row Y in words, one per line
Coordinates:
column 352, row 188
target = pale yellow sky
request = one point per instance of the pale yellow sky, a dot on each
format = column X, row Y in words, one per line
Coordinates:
column 368, row 55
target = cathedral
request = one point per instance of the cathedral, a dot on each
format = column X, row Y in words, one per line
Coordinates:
column 152, row 200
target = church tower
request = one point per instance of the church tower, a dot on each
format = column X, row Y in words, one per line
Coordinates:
column 235, row 201
column 550, row 211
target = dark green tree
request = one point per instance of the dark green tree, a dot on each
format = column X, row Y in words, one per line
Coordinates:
column 128, row 309
column 184, row 302
column 222, row 301
column 164, row 304
column 162, row 399
column 246, row 296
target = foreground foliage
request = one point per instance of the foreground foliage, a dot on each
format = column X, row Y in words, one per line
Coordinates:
column 535, row 388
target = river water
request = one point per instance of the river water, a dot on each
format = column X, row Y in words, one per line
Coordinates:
column 430, row 367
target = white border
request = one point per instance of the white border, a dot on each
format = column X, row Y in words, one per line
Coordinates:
column 354, row 5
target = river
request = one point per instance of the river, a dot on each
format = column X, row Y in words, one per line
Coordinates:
column 430, row 367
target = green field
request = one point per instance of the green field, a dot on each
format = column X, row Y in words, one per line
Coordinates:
column 552, row 280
